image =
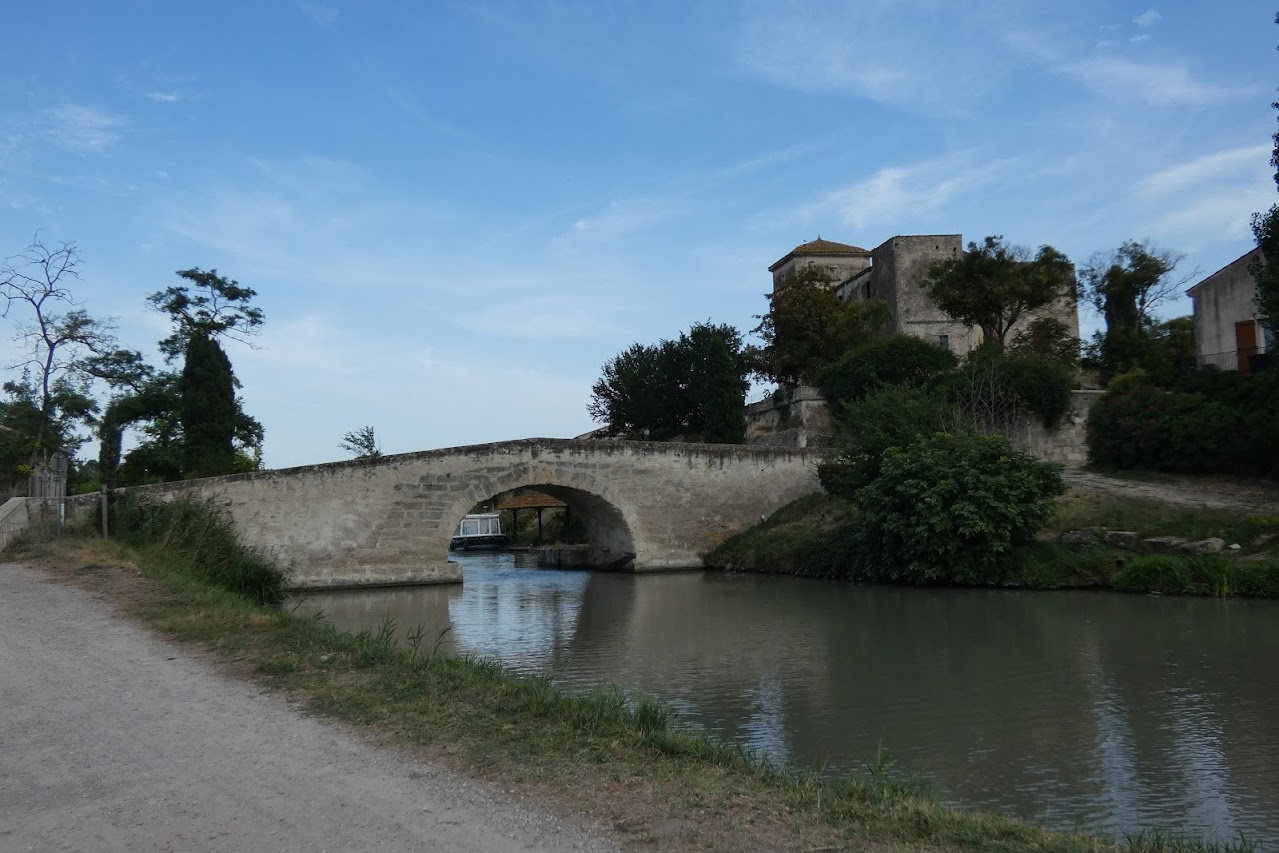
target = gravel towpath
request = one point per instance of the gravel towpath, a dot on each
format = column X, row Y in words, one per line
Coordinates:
column 1208, row 492
column 111, row 739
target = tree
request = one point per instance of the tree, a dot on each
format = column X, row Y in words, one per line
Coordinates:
column 55, row 335
column 807, row 327
column 1047, row 337
column 208, row 408
column 219, row 308
column 1265, row 227
column 675, row 389
column 716, row 383
column 361, row 443
column 211, row 416
column 994, row 285
column 1125, row 287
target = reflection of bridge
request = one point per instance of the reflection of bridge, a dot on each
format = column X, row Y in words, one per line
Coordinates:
column 389, row 520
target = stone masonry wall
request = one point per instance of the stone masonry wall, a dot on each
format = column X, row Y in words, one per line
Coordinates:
column 389, row 521
column 811, row 424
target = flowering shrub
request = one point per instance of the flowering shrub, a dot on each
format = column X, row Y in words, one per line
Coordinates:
column 1148, row 427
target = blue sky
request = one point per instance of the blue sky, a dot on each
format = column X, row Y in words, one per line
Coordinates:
column 455, row 213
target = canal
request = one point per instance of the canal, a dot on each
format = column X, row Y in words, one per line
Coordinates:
column 1106, row 711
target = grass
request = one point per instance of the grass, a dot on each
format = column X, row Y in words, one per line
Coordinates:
column 812, row 537
column 1083, row 509
column 806, row 537
column 621, row 758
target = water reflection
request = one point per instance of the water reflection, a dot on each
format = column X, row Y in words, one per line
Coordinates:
column 1111, row 711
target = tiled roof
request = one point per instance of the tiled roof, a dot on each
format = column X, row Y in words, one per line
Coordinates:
column 822, row 247
column 530, row 501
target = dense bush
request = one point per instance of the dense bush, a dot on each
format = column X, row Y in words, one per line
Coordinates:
column 896, row 360
column 1148, row 427
column 201, row 534
column 887, row 417
column 951, row 508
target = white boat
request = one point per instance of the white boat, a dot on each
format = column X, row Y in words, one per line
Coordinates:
column 479, row 532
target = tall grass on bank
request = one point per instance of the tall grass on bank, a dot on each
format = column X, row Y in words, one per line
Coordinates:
column 202, row 535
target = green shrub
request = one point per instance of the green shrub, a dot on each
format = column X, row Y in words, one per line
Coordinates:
column 895, row 360
column 994, row 388
column 201, row 535
column 887, row 417
column 952, row 509
column 1128, row 380
column 1148, row 427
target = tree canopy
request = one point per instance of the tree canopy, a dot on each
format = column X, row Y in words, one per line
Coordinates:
column 1125, row 286
column 361, row 443
column 211, row 305
column 993, row 285
column 808, row 328
column 54, row 335
column 693, row 386
column 1265, row 228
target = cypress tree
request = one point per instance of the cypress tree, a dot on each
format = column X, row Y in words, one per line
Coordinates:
column 208, row 409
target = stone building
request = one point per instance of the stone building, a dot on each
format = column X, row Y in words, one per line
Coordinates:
column 1228, row 335
column 894, row 272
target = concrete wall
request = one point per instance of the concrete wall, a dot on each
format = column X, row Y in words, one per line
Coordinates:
column 13, row 520
column 1220, row 301
column 388, row 521
column 768, row 424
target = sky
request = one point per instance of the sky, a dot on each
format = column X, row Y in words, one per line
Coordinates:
column 454, row 213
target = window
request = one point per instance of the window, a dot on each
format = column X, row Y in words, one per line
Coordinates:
column 943, row 341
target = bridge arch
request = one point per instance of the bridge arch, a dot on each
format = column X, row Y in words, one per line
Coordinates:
column 609, row 532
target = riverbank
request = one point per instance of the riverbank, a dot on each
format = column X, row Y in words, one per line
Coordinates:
column 623, row 763
column 811, row 538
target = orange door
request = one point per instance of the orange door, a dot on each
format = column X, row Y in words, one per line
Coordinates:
column 1245, row 342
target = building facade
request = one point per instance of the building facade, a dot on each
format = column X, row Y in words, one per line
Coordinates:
column 1228, row 335
column 894, row 273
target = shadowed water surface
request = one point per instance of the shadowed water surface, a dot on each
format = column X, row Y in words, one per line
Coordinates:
column 1109, row 711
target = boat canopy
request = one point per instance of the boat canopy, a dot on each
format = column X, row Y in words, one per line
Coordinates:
column 480, row 524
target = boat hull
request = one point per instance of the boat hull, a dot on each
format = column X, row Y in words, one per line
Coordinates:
column 486, row 542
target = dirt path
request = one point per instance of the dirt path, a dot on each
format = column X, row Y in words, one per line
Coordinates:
column 1212, row 492
column 112, row 740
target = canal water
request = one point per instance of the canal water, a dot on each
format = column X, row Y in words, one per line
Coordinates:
column 1106, row 711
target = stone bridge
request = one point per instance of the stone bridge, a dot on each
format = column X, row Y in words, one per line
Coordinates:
column 389, row 520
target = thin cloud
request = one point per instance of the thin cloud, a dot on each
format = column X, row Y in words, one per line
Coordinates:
column 1147, row 19
column 1214, row 167
column 80, row 128
column 900, row 194
column 166, row 97
column 1163, row 85
column 320, row 14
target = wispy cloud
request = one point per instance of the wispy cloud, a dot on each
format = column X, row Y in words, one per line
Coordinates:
column 1249, row 160
column 81, row 128
column 1147, row 19
column 1163, row 85
column 861, row 50
column 317, row 13
column 899, row 195
column 166, row 97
